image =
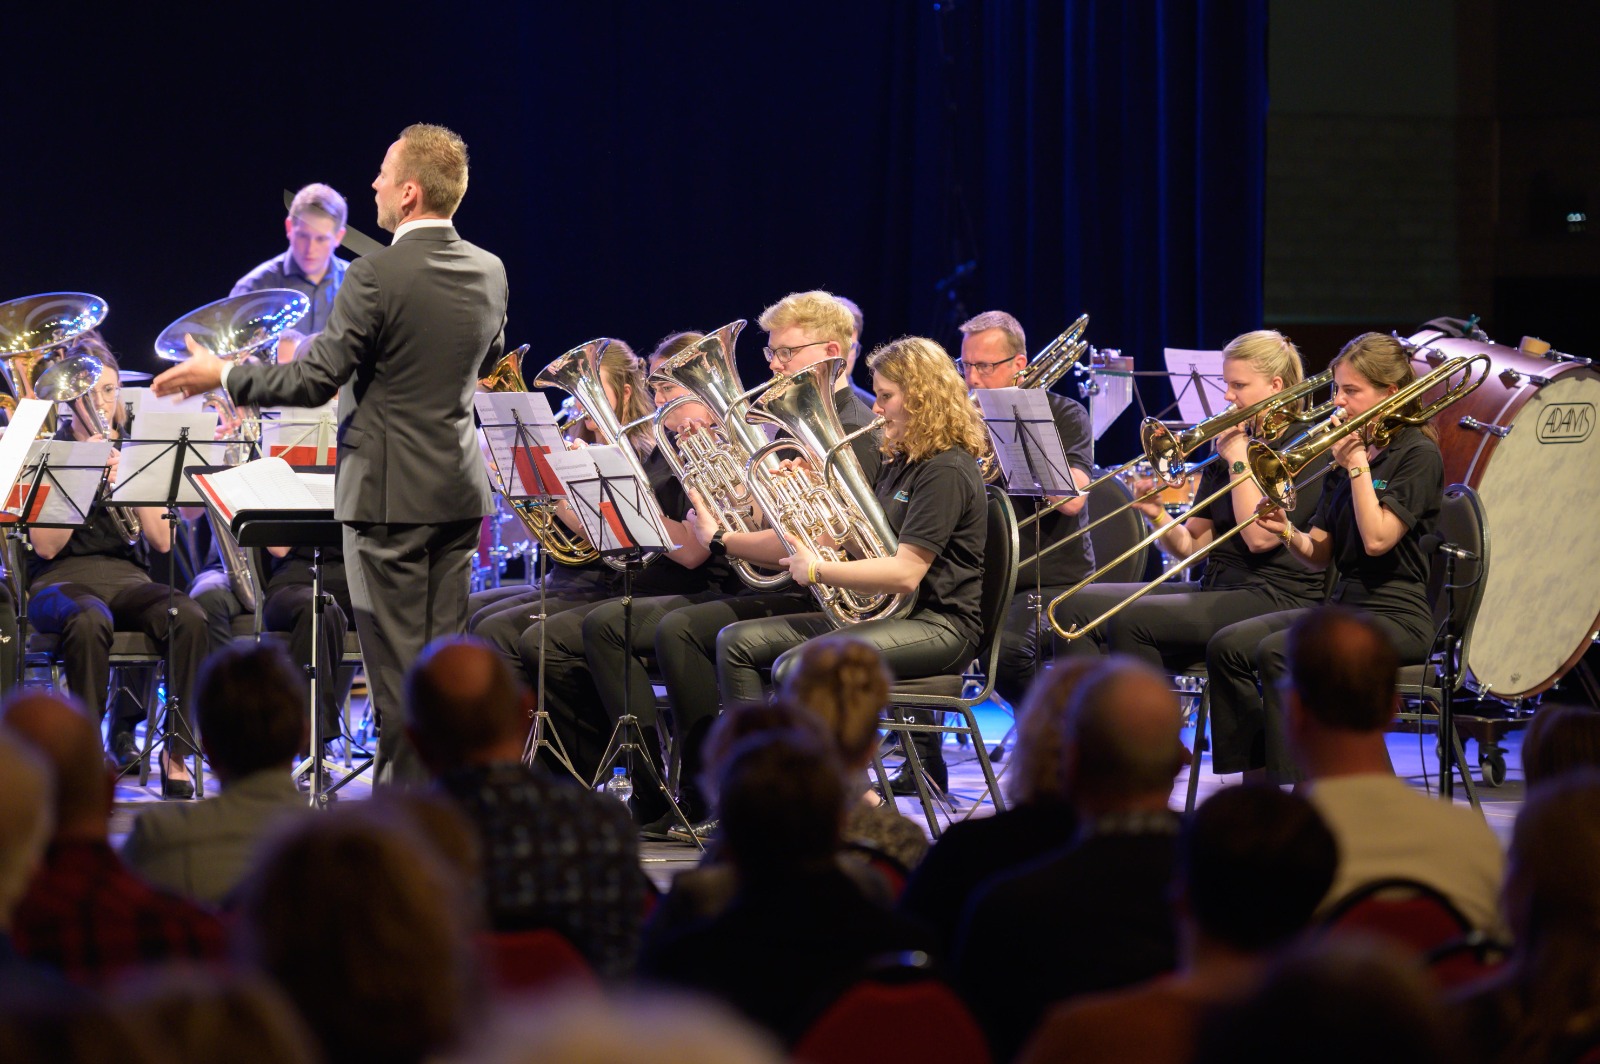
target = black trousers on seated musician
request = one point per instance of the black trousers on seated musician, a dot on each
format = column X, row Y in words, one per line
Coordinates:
column 287, row 607
column 499, row 616
column 85, row 598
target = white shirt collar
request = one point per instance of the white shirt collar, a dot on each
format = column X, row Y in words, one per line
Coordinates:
column 421, row 223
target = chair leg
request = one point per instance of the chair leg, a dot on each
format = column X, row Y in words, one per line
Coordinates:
column 1466, row 772
column 919, row 775
column 983, row 760
column 1202, row 718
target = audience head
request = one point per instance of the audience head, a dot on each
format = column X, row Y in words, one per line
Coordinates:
column 1041, row 732
column 68, row 739
column 1253, row 864
column 359, row 922
column 47, row 1023
column 27, row 803
column 743, row 720
column 251, row 706
column 1560, row 739
column 1339, row 692
column 1332, row 1001
column 1122, row 749
column 463, row 706
column 625, row 1029
column 208, row 1014
column 843, row 681
column 781, row 797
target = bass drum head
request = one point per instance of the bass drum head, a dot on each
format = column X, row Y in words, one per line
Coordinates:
column 1539, row 489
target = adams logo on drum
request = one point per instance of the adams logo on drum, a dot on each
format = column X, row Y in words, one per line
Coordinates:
column 1566, row 423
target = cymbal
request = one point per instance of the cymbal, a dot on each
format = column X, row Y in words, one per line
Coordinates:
column 38, row 323
column 234, row 326
column 134, row 376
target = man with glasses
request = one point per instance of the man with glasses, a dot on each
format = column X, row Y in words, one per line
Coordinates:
column 994, row 352
column 803, row 328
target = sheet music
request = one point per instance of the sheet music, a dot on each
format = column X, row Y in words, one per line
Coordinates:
column 1111, row 391
column 301, row 436
column 1023, row 431
column 143, row 400
column 636, row 502
column 17, row 439
column 523, row 474
column 147, row 460
column 1182, row 364
column 617, row 514
column 72, row 480
column 265, row 484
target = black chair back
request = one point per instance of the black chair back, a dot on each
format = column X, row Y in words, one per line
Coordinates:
column 1118, row 534
column 1000, row 556
column 1462, row 522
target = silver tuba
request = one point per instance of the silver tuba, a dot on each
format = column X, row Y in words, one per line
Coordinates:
column 712, row 460
column 236, row 329
column 829, row 507
column 577, row 372
column 35, row 331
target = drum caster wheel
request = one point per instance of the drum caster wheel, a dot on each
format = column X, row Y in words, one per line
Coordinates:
column 1492, row 767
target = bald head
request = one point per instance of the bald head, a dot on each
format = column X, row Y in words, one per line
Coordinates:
column 462, row 705
column 69, row 741
column 1122, row 747
column 1343, row 669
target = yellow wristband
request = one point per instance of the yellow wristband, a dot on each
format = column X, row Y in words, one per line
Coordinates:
column 811, row 573
column 1287, row 535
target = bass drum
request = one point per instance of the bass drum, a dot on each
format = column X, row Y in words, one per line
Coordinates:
column 1526, row 442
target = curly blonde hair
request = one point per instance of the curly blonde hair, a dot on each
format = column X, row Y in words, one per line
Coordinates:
column 939, row 413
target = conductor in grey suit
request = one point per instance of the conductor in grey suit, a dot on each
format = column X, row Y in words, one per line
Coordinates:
column 412, row 329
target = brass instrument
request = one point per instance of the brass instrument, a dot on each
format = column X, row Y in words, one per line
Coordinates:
column 538, row 516
column 1274, row 472
column 73, row 380
column 34, row 331
column 577, row 372
column 713, row 460
column 1167, row 452
column 236, row 329
column 802, row 503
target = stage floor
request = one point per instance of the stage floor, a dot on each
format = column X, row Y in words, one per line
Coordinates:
column 662, row 860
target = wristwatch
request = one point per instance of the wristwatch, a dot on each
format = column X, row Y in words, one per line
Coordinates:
column 1238, row 467
column 716, row 546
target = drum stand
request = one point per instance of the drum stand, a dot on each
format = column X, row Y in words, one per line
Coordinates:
column 627, row 737
column 537, row 740
column 1449, row 742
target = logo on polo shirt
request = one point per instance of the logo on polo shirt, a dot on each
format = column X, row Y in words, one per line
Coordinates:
column 1379, row 485
column 902, row 496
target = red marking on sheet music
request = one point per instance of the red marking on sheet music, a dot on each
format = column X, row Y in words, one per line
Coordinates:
column 303, row 455
column 535, row 471
column 211, row 493
column 15, row 500
column 613, row 520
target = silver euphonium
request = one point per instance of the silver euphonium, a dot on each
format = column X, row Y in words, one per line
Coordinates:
column 69, row 380
column 577, row 372
column 712, row 459
column 825, row 502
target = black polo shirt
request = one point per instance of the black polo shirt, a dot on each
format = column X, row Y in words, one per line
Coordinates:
column 938, row 504
column 1067, row 565
column 1408, row 476
column 868, row 447
column 1275, row 571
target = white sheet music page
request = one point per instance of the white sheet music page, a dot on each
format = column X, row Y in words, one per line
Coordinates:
column 524, row 473
column 148, row 458
column 301, row 436
column 265, row 484
column 1026, row 441
column 69, row 486
column 17, row 439
column 576, row 470
column 634, row 504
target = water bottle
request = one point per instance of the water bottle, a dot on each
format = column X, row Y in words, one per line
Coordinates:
column 619, row 786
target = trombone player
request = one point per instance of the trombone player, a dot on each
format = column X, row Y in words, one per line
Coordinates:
column 994, row 353
column 1370, row 522
column 1249, row 575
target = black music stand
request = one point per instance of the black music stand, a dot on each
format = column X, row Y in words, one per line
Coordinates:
column 609, row 504
column 157, row 484
column 315, row 529
column 537, row 483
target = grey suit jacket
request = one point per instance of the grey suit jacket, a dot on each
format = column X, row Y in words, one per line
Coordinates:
column 413, row 328
column 201, row 849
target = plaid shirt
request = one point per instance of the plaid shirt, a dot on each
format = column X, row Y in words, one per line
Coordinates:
column 88, row 915
column 557, row 856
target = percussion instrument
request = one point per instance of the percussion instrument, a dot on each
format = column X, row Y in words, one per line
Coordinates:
column 1526, row 442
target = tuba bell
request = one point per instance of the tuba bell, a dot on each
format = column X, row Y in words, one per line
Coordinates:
column 829, row 507
column 34, row 333
column 712, row 460
column 537, row 516
column 69, row 380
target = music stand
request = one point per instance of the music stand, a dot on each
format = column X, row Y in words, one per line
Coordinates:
column 158, row 480
column 521, row 428
column 623, row 521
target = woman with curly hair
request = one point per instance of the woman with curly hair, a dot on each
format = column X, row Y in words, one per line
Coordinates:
column 932, row 495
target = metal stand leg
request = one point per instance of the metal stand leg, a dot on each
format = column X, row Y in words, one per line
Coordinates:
column 541, row 716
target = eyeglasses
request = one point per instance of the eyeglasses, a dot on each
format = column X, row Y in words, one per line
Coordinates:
column 963, row 365
column 784, row 354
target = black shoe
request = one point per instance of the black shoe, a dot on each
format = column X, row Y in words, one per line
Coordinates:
column 702, row 831
column 660, row 829
column 123, row 750
column 903, row 783
column 171, row 788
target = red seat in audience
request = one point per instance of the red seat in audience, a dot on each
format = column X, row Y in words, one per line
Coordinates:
column 526, row 960
column 877, row 1023
column 1421, row 920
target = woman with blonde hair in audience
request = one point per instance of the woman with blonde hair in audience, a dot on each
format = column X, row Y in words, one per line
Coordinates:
column 1036, row 821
